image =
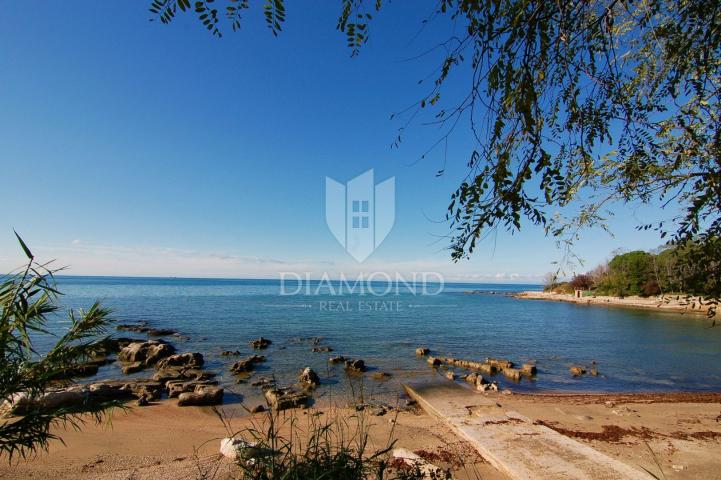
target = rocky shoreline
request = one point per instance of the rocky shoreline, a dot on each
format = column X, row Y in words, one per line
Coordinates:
column 666, row 303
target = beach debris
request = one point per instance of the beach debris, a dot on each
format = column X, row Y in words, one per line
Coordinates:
column 422, row 351
column 247, row 364
column 148, row 352
column 285, row 398
column 499, row 363
column 185, row 360
column 260, row 343
column 380, row 376
column 577, row 370
column 418, row 465
column 355, row 365
column 338, row 359
column 202, row 395
column 230, row 353
column 308, row 378
column 142, row 401
column 450, row 375
column 321, row 349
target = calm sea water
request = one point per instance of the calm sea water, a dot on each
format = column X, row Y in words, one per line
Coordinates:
column 634, row 350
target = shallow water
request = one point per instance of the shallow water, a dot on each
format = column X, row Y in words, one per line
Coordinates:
column 635, row 350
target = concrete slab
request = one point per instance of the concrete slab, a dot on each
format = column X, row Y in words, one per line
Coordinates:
column 513, row 443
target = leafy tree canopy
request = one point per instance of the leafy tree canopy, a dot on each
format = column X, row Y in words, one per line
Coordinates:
column 573, row 106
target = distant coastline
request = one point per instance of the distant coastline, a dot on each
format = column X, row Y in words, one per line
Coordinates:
column 667, row 303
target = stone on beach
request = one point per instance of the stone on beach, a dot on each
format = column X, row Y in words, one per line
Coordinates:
column 80, row 396
column 176, row 387
column 450, row 375
column 237, row 448
column 203, row 395
column 285, row 398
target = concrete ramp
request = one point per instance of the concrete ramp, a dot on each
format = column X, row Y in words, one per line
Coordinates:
column 511, row 442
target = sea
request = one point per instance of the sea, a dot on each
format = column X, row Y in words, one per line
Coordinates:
column 633, row 350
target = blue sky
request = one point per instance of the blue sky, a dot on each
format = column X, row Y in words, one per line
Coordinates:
column 133, row 148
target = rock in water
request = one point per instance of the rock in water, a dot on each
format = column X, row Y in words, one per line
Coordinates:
column 422, row 351
column 577, row 371
column 230, row 353
column 355, row 365
column 185, row 360
column 260, row 343
column 148, row 353
column 247, row 364
column 499, row 363
column 308, row 378
column 512, row 373
column 528, row 369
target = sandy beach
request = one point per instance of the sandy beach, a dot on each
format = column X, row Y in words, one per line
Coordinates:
column 672, row 435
